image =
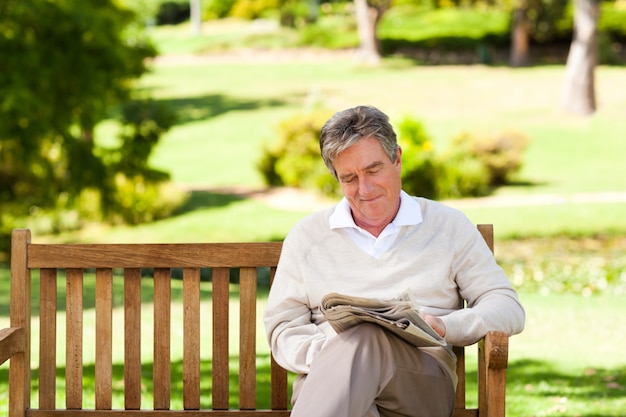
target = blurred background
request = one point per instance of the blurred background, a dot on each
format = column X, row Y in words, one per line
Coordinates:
column 197, row 121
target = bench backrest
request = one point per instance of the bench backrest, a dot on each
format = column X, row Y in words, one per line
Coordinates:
column 105, row 268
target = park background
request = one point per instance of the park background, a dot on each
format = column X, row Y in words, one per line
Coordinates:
column 560, row 226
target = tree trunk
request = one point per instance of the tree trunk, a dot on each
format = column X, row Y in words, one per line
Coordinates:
column 519, row 38
column 579, row 91
column 367, row 17
column 195, row 15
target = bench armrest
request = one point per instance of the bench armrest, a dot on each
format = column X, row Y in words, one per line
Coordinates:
column 12, row 341
column 493, row 356
column 496, row 350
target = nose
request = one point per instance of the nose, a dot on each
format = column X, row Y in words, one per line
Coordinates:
column 365, row 186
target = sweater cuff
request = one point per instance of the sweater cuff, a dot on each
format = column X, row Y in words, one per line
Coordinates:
column 463, row 328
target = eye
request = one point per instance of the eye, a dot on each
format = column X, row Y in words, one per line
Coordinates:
column 374, row 170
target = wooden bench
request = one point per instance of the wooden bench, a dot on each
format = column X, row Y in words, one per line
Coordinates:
column 69, row 266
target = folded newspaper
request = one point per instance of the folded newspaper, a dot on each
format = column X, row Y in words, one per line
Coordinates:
column 399, row 315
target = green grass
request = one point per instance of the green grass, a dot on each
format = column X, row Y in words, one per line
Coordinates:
column 556, row 219
column 565, row 362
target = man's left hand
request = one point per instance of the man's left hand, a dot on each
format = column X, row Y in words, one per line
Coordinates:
column 436, row 323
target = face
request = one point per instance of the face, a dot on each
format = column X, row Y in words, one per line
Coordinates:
column 371, row 184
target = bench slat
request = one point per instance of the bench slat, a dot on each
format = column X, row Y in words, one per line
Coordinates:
column 162, row 328
column 132, row 338
column 460, row 400
column 104, row 336
column 174, row 255
column 191, row 338
column 247, row 338
column 220, row 381
column 74, row 339
column 278, row 378
column 470, row 412
column 47, row 338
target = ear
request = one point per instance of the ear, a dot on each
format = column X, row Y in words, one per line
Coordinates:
column 399, row 157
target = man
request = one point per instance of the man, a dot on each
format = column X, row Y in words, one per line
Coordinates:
column 378, row 242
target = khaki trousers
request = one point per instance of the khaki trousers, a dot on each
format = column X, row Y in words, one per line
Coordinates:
column 367, row 372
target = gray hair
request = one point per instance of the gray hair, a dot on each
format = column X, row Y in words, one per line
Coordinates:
column 347, row 127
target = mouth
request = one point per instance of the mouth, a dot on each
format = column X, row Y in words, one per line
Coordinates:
column 370, row 199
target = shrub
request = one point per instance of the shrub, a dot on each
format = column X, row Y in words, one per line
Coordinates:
column 172, row 13
column 419, row 166
column 294, row 160
column 462, row 175
column 500, row 152
column 252, row 9
column 217, row 9
column 141, row 201
column 428, row 174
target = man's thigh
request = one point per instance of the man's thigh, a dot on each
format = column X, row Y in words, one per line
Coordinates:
column 419, row 386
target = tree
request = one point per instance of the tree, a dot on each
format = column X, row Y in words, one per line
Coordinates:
column 520, row 36
column 65, row 65
column 368, row 15
column 533, row 20
column 579, row 89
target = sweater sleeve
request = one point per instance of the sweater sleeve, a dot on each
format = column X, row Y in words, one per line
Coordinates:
column 293, row 336
column 492, row 302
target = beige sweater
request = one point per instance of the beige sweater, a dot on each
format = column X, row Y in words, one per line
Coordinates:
column 443, row 261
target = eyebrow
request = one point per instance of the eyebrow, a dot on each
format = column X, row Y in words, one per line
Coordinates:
column 374, row 164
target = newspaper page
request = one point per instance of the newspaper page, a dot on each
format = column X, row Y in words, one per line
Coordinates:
column 399, row 315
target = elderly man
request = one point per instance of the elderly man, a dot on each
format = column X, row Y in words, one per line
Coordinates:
column 379, row 242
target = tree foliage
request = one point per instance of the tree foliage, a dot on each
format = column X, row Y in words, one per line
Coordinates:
column 65, row 65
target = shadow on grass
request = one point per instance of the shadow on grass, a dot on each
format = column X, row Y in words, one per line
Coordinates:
column 191, row 109
column 199, row 199
column 528, row 382
column 540, row 378
column 534, row 385
column 263, row 384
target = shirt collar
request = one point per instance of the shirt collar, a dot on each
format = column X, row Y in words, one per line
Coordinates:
column 409, row 213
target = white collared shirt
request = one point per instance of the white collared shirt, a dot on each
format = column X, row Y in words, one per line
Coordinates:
column 409, row 214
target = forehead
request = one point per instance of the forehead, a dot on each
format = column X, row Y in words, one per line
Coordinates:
column 362, row 155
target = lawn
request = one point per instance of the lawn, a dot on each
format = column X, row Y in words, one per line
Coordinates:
column 565, row 254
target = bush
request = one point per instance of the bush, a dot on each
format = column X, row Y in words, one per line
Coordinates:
column 462, row 176
column 141, row 201
column 252, row 9
column 419, row 167
column 427, row 174
column 613, row 19
column 500, row 152
column 172, row 13
column 295, row 159
column 217, row 9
